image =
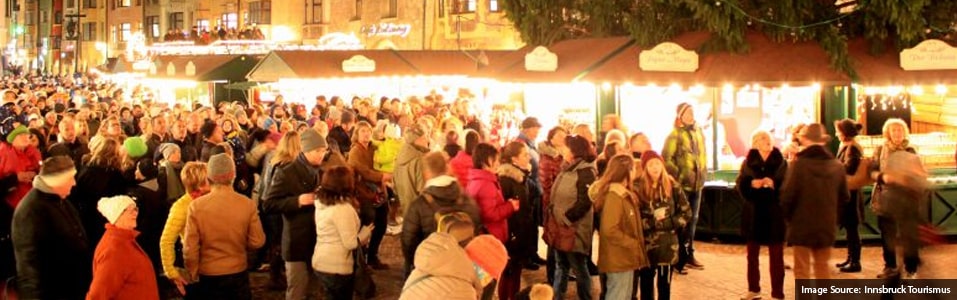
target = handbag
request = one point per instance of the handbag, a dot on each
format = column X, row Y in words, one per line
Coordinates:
column 861, row 177
column 557, row 235
column 364, row 285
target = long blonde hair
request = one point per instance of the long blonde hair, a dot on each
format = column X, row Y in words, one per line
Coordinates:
column 107, row 154
column 288, row 149
column 619, row 170
column 647, row 191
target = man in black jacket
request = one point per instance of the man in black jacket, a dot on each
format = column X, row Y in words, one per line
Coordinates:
column 179, row 135
column 292, row 194
column 68, row 144
column 442, row 194
column 212, row 136
column 54, row 258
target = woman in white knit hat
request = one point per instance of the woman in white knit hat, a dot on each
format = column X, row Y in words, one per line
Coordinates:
column 121, row 270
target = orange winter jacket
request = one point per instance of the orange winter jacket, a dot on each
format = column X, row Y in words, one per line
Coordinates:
column 121, row 270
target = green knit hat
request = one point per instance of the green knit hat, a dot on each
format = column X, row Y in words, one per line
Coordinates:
column 17, row 131
column 135, row 146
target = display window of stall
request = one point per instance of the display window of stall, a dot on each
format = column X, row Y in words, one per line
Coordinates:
column 929, row 110
column 728, row 116
column 563, row 105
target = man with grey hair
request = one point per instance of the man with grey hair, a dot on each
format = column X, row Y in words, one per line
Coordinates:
column 222, row 226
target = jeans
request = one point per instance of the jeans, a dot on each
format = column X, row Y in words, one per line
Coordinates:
column 378, row 216
column 686, row 237
column 803, row 263
column 776, row 253
column 618, row 285
column 337, row 287
column 233, row 286
column 578, row 262
column 300, row 281
column 647, row 278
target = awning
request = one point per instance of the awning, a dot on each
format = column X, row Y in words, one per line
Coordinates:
column 450, row 62
column 766, row 62
column 885, row 69
column 230, row 68
column 575, row 58
column 306, row 64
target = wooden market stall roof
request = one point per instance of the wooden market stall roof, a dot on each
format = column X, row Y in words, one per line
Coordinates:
column 230, row 68
column 305, row 64
column 885, row 68
column 575, row 58
column 767, row 61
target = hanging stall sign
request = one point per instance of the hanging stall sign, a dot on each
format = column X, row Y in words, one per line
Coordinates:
column 668, row 57
column 929, row 55
column 357, row 64
column 388, row 29
column 541, row 60
column 190, row 69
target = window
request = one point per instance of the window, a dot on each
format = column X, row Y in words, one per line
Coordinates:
column 29, row 18
column 260, row 12
column 176, row 20
column 58, row 17
column 463, row 6
column 358, row 10
column 229, row 20
column 393, row 9
column 441, row 4
column 202, row 24
column 123, row 3
column 126, row 32
column 153, row 23
column 89, row 3
column 317, row 11
column 493, row 6
column 44, row 17
column 70, row 4
column 89, row 31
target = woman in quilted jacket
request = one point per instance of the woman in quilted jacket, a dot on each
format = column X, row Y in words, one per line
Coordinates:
column 664, row 212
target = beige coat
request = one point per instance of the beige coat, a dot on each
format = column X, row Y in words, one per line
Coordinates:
column 620, row 236
column 442, row 271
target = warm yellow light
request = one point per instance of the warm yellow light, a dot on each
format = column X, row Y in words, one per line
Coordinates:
column 940, row 89
column 606, row 86
column 698, row 89
column 916, row 90
column 895, row 90
column 728, row 87
column 816, row 86
column 283, row 34
column 785, row 86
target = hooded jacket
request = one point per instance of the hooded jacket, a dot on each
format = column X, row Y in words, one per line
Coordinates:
column 620, row 235
column 444, row 195
column 549, row 167
column 407, row 177
column 814, row 187
column 443, row 270
column 523, row 231
column 485, row 189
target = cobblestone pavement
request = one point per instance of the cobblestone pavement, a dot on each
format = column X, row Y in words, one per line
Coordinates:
column 724, row 276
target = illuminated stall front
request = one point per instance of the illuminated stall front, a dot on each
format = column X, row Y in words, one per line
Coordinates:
column 546, row 82
column 773, row 88
column 191, row 79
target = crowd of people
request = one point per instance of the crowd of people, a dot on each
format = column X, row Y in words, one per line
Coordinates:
column 204, row 36
column 117, row 197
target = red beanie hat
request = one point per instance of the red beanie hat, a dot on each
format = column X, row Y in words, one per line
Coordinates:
column 648, row 156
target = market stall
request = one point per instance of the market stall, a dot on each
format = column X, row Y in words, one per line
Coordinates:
column 918, row 85
column 190, row 79
column 773, row 87
column 299, row 76
column 546, row 82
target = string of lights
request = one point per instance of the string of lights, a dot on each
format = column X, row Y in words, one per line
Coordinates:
column 752, row 18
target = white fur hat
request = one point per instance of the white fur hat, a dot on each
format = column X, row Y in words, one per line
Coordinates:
column 112, row 208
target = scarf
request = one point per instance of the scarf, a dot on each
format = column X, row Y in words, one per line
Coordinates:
column 41, row 185
column 889, row 148
column 313, row 170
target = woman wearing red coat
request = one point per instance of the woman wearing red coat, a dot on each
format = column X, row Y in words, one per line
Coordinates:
column 484, row 188
column 19, row 162
column 462, row 162
column 121, row 270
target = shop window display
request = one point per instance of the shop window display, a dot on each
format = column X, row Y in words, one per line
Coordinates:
column 728, row 116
